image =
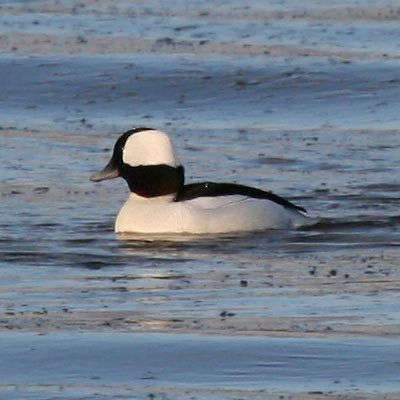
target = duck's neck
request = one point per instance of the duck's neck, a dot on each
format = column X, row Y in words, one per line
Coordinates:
column 154, row 180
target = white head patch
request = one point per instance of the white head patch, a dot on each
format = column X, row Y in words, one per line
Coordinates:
column 149, row 147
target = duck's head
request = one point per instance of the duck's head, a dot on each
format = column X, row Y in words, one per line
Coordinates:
column 145, row 158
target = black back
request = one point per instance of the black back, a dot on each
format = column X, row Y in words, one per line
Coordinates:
column 212, row 189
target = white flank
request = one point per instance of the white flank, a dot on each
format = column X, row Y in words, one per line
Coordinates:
column 204, row 215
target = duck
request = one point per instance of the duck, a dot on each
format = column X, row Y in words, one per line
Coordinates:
column 160, row 201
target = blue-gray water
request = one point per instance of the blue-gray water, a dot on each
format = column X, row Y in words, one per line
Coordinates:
column 301, row 98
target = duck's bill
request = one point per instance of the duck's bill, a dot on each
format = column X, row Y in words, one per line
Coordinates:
column 109, row 172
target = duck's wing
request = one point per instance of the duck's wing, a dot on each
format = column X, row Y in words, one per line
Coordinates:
column 212, row 189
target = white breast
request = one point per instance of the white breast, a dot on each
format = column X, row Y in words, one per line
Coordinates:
column 204, row 215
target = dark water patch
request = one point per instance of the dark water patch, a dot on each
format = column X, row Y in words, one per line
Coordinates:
column 380, row 187
column 92, row 264
column 126, row 278
column 82, row 241
column 41, row 190
column 29, row 257
column 364, row 224
column 47, row 226
column 262, row 159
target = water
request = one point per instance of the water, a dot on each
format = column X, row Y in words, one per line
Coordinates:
column 294, row 98
column 242, row 363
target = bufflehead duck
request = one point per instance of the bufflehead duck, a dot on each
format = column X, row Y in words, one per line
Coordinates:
column 160, row 202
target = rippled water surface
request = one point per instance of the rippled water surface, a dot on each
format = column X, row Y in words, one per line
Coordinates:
column 300, row 98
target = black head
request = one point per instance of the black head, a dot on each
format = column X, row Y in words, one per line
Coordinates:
column 145, row 158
